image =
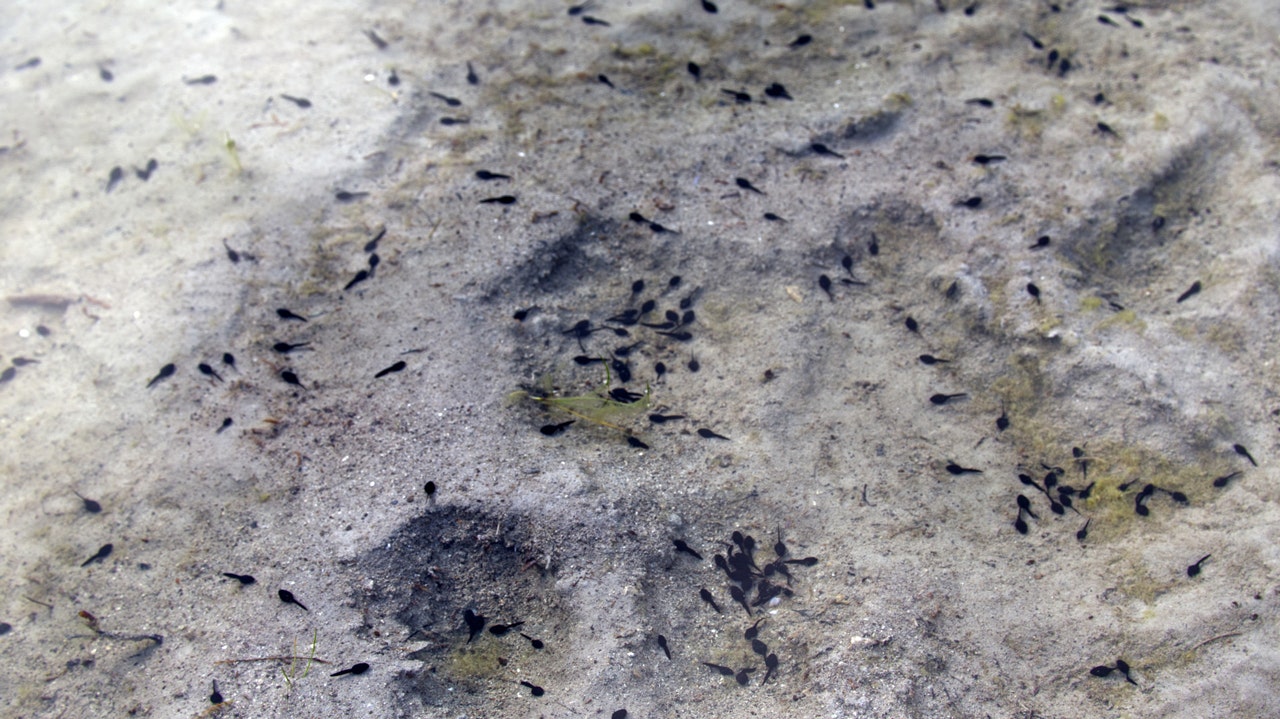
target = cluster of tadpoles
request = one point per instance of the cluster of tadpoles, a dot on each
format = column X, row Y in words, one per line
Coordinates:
column 1059, row 504
column 824, row 282
column 476, row 623
column 1105, row 671
column 743, row 676
column 674, row 325
column 1148, row 490
column 1066, row 493
column 744, row 575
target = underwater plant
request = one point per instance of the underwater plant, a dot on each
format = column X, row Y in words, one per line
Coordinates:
column 605, row 406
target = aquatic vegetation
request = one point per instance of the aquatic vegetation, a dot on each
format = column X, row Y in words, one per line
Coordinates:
column 233, row 153
column 291, row 675
column 605, row 406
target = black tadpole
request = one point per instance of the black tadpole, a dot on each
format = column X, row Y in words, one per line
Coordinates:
column 1240, row 450
column 360, row 668
column 397, row 367
column 103, row 553
column 1140, row 506
column 771, row 665
column 745, row 184
column 113, row 179
column 286, row 347
column 662, row 644
column 821, row 149
column 165, row 373
column 287, row 597
column 450, row 101
column 534, row 689
column 1222, row 481
column 941, row 399
column 475, row 623
column 360, row 276
column 1020, row 524
column 285, row 313
column 244, row 579
column 501, row 630
column 144, row 173
column 777, row 91
column 1024, row 505
column 681, row 546
column 721, row 670
column 90, row 506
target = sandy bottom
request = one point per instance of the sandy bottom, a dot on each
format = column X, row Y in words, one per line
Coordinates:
column 448, row 320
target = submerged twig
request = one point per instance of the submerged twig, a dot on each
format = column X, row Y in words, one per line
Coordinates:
column 281, row 658
column 1214, row 639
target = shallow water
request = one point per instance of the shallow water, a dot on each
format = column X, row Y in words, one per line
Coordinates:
column 1148, row 162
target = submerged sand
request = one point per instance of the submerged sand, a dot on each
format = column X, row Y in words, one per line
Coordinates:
column 1141, row 143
